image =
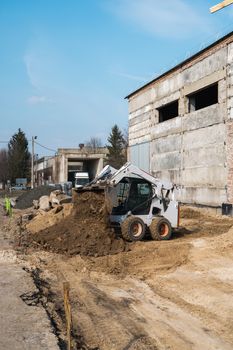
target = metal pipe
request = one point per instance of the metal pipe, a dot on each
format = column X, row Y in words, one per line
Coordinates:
column 32, row 162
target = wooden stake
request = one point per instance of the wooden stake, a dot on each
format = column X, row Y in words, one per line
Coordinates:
column 66, row 292
column 20, row 230
column 221, row 5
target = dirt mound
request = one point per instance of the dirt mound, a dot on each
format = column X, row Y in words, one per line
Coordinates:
column 45, row 219
column 82, row 232
column 190, row 213
column 25, row 200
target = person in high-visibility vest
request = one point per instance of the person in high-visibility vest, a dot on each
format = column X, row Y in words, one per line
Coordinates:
column 8, row 206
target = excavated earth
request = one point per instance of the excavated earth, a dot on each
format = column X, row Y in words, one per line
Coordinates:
column 83, row 231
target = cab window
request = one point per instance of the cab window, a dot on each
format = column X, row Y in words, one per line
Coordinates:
column 144, row 189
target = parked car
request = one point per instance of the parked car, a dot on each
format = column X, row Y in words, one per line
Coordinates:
column 18, row 188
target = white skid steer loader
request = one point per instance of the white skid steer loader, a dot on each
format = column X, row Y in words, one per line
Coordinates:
column 137, row 201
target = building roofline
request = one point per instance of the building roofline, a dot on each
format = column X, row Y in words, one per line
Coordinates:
column 181, row 64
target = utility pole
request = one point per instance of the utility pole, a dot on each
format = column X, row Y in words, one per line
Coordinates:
column 32, row 162
column 221, row 5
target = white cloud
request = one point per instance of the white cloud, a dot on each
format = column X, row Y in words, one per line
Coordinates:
column 34, row 100
column 40, row 63
column 30, row 63
column 35, row 72
column 170, row 18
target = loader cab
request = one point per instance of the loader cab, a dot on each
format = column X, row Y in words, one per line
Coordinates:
column 133, row 194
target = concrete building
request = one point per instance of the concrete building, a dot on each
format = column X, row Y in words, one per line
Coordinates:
column 181, row 125
column 61, row 167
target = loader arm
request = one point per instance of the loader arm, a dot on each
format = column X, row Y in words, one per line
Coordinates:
column 129, row 169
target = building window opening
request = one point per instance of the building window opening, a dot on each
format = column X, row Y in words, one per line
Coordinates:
column 168, row 111
column 203, row 98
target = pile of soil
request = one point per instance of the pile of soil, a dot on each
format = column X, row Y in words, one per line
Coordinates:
column 25, row 200
column 83, row 232
column 45, row 219
column 190, row 212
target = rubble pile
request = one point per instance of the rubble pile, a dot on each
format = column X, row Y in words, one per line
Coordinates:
column 44, row 198
column 83, row 232
column 25, row 200
column 44, row 219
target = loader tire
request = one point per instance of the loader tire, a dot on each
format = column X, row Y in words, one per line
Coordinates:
column 160, row 229
column 133, row 229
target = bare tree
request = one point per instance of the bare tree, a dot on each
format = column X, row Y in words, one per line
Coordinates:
column 125, row 133
column 93, row 144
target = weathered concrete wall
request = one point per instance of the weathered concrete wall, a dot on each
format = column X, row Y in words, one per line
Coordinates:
column 195, row 150
column 229, row 124
column 93, row 159
column 140, row 123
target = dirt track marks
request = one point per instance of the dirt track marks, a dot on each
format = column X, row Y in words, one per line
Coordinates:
column 116, row 314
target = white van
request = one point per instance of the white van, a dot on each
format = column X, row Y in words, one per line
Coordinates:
column 81, row 179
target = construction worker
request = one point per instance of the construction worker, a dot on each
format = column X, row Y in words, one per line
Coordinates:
column 8, row 206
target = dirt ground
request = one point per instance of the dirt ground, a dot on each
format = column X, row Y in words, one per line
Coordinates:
column 174, row 295
column 24, row 322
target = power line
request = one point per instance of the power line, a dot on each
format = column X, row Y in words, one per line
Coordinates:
column 39, row 144
column 49, row 149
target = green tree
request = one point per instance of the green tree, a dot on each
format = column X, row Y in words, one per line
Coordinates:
column 116, row 148
column 18, row 156
column 4, row 175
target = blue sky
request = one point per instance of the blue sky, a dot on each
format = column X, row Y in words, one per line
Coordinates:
column 66, row 65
